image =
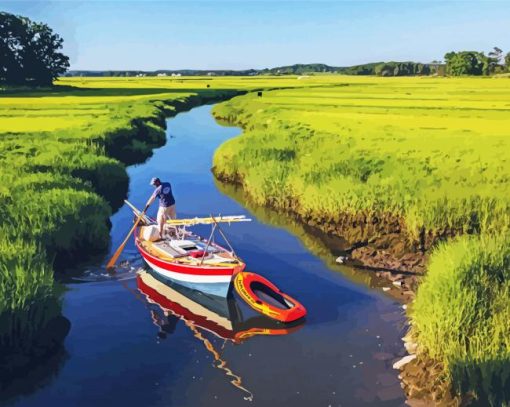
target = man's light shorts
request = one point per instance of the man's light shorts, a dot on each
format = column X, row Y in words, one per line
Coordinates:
column 166, row 213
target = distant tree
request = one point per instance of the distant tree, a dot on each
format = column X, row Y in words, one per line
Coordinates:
column 29, row 52
column 401, row 69
column 434, row 67
column 422, row 69
column 496, row 54
column 11, row 34
column 466, row 63
column 494, row 59
column 385, row 69
column 448, row 56
column 507, row 61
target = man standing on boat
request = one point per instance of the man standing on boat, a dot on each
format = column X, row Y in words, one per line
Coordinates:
column 166, row 209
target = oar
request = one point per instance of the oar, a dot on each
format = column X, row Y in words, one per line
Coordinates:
column 113, row 260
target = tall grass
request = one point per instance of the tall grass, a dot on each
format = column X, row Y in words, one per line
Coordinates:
column 432, row 152
column 28, row 296
column 462, row 312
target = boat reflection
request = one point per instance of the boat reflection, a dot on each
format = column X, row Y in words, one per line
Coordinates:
column 202, row 313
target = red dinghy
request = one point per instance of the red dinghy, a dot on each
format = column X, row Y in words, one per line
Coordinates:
column 264, row 297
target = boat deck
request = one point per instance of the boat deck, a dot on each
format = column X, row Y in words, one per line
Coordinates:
column 191, row 250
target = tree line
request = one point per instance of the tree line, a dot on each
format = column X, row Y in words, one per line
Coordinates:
column 477, row 63
column 29, row 52
column 373, row 68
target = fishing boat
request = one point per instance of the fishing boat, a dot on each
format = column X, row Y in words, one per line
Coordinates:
column 200, row 264
column 187, row 258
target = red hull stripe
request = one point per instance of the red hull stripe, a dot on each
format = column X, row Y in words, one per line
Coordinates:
column 185, row 269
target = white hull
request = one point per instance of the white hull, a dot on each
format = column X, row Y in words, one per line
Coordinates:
column 214, row 285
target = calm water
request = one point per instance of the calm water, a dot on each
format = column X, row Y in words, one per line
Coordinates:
column 116, row 354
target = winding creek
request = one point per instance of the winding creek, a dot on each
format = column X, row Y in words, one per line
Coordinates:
column 116, row 355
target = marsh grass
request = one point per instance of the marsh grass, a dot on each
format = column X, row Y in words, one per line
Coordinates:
column 28, row 296
column 433, row 152
column 52, row 198
column 461, row 314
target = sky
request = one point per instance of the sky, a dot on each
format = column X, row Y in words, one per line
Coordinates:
column 151, row 35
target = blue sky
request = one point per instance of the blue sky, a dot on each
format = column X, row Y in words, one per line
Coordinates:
column 240, row 34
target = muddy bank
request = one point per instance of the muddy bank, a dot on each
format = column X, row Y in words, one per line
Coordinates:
column 378, row 243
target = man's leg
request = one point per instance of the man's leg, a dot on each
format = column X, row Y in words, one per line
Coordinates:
column 161, row 221
column 171, row 212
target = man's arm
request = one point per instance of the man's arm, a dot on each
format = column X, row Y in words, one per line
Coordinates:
column 152, row 198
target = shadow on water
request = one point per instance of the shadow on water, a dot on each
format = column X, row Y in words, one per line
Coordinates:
column 39, row 375
column 31, row 348
column 490, row 381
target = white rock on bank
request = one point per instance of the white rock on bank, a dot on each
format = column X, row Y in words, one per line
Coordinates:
column 411, row 347
column 404, row 361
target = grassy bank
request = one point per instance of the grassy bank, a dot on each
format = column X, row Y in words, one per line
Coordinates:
column 63, row 152
column 58, row 181
column 399, row 163
column 460, row 316
column 432, row 152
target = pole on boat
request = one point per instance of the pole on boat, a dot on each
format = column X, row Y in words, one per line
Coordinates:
column 208, row 243
column 224, row 237
column 113, row 260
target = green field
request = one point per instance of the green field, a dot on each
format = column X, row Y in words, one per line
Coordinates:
column 432, row 151
column 431, row 155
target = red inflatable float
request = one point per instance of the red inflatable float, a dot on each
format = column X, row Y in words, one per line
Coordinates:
column 264, row 297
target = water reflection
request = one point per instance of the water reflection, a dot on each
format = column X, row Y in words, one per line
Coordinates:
column 206, row 315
